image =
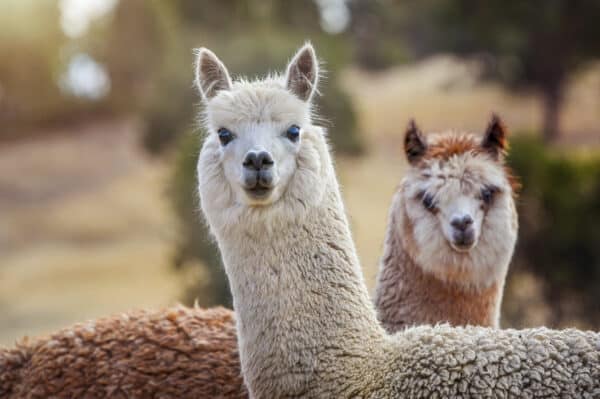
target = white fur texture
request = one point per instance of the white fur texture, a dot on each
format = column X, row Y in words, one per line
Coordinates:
column 306, row 326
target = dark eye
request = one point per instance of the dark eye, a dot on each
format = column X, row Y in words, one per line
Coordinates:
column 428, row 202
column 293, row 133
column 225, row 136
column 487, row 194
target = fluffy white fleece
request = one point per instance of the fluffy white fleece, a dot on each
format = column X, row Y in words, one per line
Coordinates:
column 306, row 326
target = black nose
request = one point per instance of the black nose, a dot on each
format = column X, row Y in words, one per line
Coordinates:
column 258, row 160
column 462, row 223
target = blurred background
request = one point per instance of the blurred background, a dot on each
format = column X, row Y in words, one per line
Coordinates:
column 98, row 138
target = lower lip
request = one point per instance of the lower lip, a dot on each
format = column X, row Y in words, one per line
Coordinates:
column 261, row 192
column 462, row 247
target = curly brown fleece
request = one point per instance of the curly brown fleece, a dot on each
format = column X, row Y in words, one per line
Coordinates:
column 171, row 353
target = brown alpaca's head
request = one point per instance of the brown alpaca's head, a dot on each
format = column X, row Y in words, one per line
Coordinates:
column 458, row 216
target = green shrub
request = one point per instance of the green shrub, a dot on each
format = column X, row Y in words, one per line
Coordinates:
column 339, row 118
column 559, row 238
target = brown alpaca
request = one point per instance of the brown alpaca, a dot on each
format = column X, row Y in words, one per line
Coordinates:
column 451, row 232
column 171, row 353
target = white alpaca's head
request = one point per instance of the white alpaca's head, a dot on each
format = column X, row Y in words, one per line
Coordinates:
column 261, row 151
column 458, row 199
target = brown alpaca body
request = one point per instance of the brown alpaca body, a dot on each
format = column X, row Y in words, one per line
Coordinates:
column 171, row 353
column 408, row 296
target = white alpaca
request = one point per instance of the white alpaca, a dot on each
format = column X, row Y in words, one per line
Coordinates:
column 451, row 232
column 306, row 327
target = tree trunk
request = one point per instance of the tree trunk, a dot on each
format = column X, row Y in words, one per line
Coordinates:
column 552, row 103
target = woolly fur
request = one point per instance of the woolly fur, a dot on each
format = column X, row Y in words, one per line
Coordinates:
column 192, row 353
column 171, row 353
column 306, row 327
column 422, row 278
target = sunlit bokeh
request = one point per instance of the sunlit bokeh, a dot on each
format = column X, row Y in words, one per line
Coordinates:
column 84, row 77
column 76, row 16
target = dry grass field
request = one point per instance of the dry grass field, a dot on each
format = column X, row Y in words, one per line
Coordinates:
column 86, row 230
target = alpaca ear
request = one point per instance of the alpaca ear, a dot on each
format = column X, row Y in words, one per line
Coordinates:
column 495, row 138
column 302, row 75
column 211, row 74
column 415, row 144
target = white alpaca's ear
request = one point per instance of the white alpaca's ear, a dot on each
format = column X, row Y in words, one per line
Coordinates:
column 211, row 74
column 495, row 138
column 302, row 75
column 415, row 144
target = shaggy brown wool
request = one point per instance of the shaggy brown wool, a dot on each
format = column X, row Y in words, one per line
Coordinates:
column 407, row 296
column 424, row 281
column 172, row 353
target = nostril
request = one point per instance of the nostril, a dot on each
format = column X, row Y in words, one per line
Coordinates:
column 456, row 223
column 258, row 160
column 268, row 160
column 462, row 223
column 250, row 160
column 264, row 160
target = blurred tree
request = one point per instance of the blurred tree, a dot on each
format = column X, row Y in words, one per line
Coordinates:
column 248, row 35
column 29, row 50
column 537, row 43
column 145, row 47
column 377, row 32
column 560, row 227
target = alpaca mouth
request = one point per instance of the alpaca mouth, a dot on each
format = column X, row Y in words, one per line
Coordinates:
column 463, row 242
column 259, row 191
column 460, row 247
column 258, row 185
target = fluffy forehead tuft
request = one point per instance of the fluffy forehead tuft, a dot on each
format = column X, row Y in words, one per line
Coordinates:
column 444, row 146
column 260, row 101
column 459, row 157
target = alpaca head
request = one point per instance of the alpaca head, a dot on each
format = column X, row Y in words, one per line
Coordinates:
column 261, row 151
column 459, row 215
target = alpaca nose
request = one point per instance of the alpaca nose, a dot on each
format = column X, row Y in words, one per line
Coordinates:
column 462, row 223
column 258, row 160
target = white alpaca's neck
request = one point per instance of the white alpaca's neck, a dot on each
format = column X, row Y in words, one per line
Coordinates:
column 298, row 293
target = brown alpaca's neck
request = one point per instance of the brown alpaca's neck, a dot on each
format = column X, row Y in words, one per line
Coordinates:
column 406, row 295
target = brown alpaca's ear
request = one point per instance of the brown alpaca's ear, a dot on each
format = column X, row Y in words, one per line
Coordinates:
column 302, row 74
column 415, row 144
column 211, row 74
column 495, row 138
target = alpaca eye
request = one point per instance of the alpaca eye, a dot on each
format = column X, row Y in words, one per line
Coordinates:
column 225, row 136
column 428, row 202
column 293, row 133
column 487, row 194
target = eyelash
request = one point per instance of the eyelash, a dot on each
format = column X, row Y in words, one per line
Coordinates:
column 225, row 136
column 488, row 193
column 427, row 201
